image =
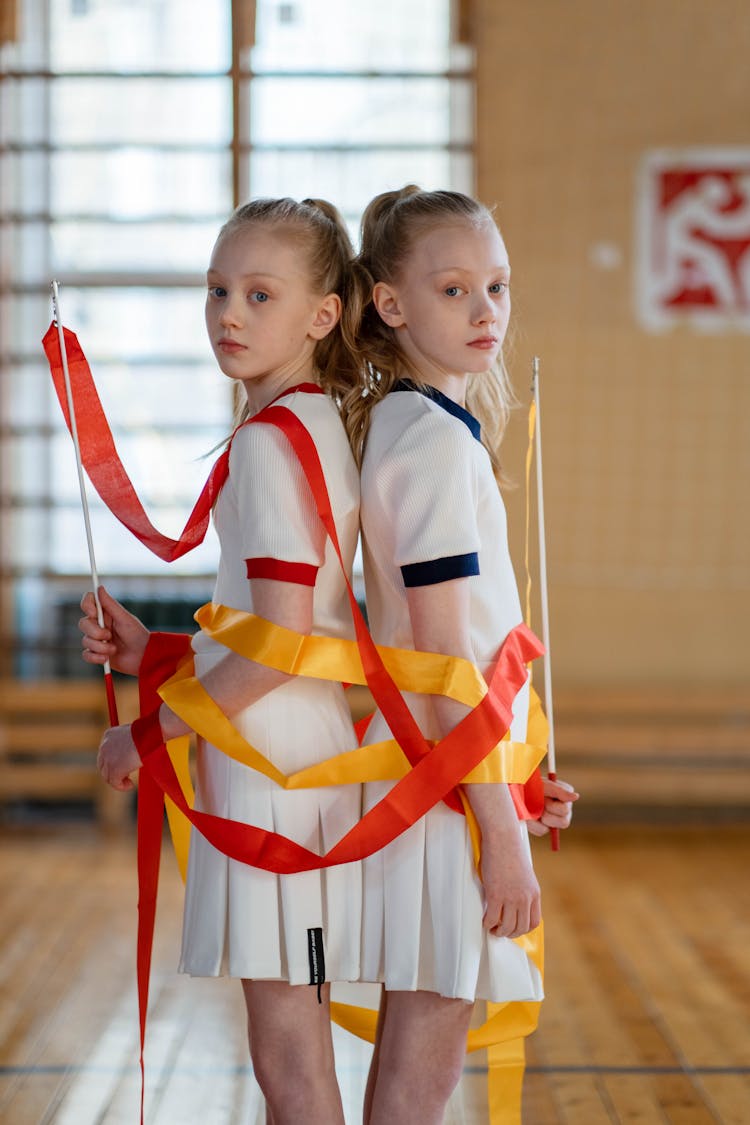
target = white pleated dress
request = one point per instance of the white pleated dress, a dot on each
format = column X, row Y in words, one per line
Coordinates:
column 430, row 512
column 239, row 920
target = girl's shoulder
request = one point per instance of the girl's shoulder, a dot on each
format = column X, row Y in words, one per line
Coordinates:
column 316, row 412
column 318, row 407
column 262, row 450
column 412, row 424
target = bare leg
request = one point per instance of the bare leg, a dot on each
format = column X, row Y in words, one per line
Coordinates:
column 372, row 1074
column 268, row 1116
column 292, row 1052
column 420, row 1059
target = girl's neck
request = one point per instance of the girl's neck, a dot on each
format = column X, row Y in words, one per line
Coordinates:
column 453, row 386
column 261, row 391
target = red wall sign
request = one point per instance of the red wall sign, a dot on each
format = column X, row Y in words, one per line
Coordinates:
column 693, row 239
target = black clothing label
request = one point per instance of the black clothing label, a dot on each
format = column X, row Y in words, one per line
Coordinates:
column 316, row 957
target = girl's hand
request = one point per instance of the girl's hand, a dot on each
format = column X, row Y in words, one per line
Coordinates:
column 558, row 807
column 512, row 897
column 118, row 757
column 122, row 640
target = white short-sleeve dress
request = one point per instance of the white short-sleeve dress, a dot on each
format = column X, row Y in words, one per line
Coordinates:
column 431, row 512
column 239, row 920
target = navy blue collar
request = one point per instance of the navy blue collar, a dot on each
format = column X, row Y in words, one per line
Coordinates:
column 446, row 403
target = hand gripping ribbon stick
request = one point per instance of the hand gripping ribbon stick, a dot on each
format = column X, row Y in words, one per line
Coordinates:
column 108, row 684
column 551, row 763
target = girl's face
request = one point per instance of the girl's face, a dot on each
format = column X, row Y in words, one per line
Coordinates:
column 262, row 317
column 451, row 303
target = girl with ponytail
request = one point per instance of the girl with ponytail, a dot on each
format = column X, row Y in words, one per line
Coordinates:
column 425, row 423
column 277, row 313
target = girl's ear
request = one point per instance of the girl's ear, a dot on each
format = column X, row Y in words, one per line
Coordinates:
column 327, row 316
column 385, row 300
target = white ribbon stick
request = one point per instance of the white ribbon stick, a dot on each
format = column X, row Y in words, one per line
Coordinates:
column 79, row 464
column 543, row 571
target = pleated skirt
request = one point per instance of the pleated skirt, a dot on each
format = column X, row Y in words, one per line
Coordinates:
column 242, row 921
column 423, row 905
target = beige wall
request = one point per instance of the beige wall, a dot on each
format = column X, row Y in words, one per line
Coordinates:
column 646, row 437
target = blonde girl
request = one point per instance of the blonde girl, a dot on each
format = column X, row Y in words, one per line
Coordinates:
column 426, row 425
column 277, row 285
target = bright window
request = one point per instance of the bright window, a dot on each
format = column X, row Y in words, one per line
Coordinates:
column 126, row 129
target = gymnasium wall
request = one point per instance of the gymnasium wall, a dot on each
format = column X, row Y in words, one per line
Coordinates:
column 646, row 422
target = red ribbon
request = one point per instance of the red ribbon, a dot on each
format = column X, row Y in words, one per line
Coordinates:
column 103, row 465
column 436, row 770
column 428, row 782
column 164, row 652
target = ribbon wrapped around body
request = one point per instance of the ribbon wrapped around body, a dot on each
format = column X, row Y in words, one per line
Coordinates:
column 424, row 774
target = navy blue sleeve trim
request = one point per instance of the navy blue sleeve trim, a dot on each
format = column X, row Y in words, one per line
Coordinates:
column 440, row 570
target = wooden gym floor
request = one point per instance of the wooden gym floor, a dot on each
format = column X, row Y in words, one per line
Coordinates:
column 648, row 978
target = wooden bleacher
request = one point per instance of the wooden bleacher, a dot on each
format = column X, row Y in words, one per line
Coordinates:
column 656, row 747
column 49, row 735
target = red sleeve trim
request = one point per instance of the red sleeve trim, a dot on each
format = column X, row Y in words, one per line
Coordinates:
column 303, row 574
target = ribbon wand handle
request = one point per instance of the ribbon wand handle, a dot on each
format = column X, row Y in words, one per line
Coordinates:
column 554, row 833
column 108, row 684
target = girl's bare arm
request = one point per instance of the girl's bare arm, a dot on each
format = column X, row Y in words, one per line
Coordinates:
column 440, row 623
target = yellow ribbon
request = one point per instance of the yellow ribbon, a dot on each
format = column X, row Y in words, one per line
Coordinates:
column 338, row 660
column 529, row 453
column 179, row 825
column 378, row 761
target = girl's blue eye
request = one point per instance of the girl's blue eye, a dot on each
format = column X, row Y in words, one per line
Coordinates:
column 499, row 287
column 452, row 291
column 259, row 297
column 217, row 291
